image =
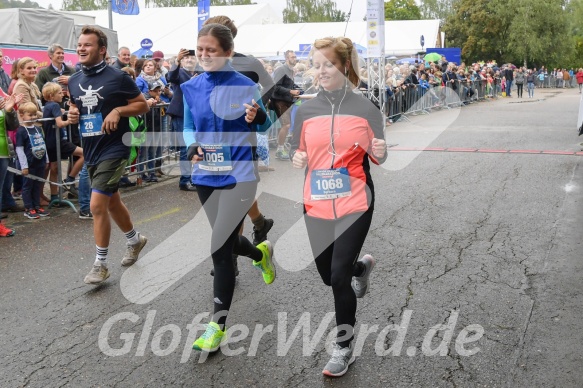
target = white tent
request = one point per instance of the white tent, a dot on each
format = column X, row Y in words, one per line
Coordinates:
column 401, row 37
column 261, row 30
column 172, row 28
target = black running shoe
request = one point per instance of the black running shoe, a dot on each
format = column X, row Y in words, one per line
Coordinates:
column 260, row 235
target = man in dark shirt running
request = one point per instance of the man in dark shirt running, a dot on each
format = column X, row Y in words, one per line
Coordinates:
column 105, row 98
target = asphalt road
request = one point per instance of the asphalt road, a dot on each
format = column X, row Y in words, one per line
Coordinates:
column 478, row 281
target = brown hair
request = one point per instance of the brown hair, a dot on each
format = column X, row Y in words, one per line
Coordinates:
column 14, row 71
column 344, row 50
column 225, row 21
column 128, row 70
column 221, row 33
column 101, row 37
column 139, row 65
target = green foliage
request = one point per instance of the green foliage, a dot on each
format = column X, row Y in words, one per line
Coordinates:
column 535, row 32
column 402, row 10
column 437, row 9
column 539, row 31
column 84, row 5
column 312, row 11
column 575, row 24
column 18, row 4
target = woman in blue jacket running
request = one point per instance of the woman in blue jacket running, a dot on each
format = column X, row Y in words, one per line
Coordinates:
column 222, row 113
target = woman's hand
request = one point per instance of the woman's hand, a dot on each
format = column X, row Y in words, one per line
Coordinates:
column 251, row 111
column 194, row 153
column 379, row 148
column 300, row 159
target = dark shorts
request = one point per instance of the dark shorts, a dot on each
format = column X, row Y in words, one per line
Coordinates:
column 283, row 111
column 105, row 176
column 67, row 149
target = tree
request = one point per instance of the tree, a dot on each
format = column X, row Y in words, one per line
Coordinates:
column 402, row 10
column 538, row 32
column 18, row 4
column 311, row 11
column 84, row 5
column 535, row 31
column 479, row 29
column 437, row 9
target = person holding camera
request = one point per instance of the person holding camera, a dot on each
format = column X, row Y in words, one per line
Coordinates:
column 185, row 69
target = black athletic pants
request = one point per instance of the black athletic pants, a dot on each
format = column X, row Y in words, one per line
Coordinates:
column 226, row 208
column 336, row 245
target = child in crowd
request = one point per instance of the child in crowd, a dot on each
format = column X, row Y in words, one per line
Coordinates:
column 149, row 149
column 53, row 95
column 32, row 155
column 489, row 85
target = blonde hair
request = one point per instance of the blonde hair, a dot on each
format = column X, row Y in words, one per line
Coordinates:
column 22, row 62
column 28, row 107
column 50, row 89
column 345, row 51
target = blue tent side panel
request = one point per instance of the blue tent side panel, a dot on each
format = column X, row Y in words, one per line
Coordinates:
column 453, row 54
column 143, row 53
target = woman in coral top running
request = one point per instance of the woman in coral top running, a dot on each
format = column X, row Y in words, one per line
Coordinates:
column 335, row 135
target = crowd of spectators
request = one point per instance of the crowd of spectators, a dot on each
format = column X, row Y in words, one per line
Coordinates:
column 159, row 77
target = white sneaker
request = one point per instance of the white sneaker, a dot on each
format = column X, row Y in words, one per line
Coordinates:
column 132, row 252
column 360, row 283
column 340, row 360
column 97, row 275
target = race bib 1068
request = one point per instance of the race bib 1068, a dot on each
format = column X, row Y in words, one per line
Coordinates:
column 330, row 184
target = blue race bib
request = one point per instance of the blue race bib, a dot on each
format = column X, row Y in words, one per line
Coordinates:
column 90, row 124
column 330, row 184
column 217, row 157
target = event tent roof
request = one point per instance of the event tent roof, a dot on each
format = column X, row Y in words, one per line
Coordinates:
column 172, row 28
column 401, row 37
column 261, row 30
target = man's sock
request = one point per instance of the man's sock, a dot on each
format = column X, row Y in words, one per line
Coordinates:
column 133, row 237
column 259, row 222
column 101, row 256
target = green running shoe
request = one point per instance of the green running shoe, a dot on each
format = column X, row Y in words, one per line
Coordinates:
column 266, row 264
column 211, row 339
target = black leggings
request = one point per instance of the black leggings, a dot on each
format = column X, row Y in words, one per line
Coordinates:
column 336, row 245
column 225, row 208
column 519, row 89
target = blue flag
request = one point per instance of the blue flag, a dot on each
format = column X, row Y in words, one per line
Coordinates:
column 203, row 12
column 125, row 7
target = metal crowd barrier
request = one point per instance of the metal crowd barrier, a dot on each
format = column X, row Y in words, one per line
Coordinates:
column 59, row 183
column 414, row 100
column 159, row 143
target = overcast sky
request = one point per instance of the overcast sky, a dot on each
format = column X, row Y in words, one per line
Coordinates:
column 358, row 9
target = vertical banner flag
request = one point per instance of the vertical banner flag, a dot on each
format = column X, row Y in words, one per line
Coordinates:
column 125, row 7
column 203, row 12
column 375, row 26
